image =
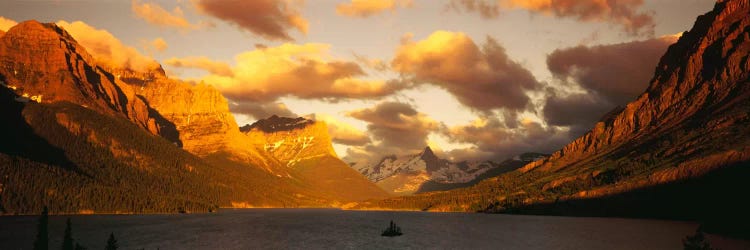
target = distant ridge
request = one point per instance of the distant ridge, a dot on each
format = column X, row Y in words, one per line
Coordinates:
column 425, row 171
column 276, row 124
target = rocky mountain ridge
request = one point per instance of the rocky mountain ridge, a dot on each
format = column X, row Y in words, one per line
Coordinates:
column 679, row 151
column 44, row 65
column 700, row 78
column 407, row 174
column 290, row 140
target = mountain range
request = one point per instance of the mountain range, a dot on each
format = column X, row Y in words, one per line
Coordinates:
column 424, row 172
column 679, row 151
column 83, row 138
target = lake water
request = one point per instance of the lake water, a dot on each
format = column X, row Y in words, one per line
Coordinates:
column 336, row 229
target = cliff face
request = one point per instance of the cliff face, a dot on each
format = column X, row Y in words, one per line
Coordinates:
column 44, row 63
column 679, row 151
column 304, row 149
column 700, row 87
column 86, row 111
column 290, row 140
column 200, row 113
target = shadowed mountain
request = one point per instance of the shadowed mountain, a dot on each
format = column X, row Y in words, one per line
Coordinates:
column 43, row 62
column 20, row 139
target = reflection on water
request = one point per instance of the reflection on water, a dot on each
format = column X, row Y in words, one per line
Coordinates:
column 322, row 228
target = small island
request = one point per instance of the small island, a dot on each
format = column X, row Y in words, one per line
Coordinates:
column 392, row 231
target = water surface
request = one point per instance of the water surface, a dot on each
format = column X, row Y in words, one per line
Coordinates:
column 336, row 229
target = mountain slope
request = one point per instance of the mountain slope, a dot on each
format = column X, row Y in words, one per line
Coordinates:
column 304, row 148
column 79, row 137
column 44, row 63
column 687, row 132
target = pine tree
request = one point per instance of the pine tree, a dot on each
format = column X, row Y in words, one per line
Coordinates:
column 111, row 242
column 68, row 238
column 42, row 234
column 696, row 242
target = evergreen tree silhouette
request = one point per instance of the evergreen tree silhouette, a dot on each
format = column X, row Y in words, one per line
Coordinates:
column 68, row 238
column 696, row 242
column 392, row 230
column 111, row 242
column 42, row 234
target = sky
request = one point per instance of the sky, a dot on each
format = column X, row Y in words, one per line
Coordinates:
column 472, row 79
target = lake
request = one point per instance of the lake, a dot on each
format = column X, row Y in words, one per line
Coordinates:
column 337, row 229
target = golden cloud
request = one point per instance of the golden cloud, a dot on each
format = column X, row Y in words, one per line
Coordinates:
column 107, row 49
column 365, row 8
column 482, row 79
column 305, row 71
column 622, row 12
column 159, row 44
column 156, row 15
column 201, row 62
column 342, row 132
column 267, row 18
column 6, row 24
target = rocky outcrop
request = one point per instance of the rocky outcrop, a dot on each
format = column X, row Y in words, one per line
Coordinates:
column 700, row 88
column 304, row 150
column 278, row 124
column 290, row 140
column 43, row 62
column 200, row 113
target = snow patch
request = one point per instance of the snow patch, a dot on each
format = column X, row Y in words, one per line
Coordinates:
column 270, row 147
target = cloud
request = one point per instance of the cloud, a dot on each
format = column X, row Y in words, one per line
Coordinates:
column 107, row 49
column 159, row 44
column 481, row 78
column 577, row 111
column 270, row 19
column 366, row 8
column 494, row 140
column 154, row 14
column 375, row 64
column 341, row 132
column 595, row 68
column 486, row 9
column 261, row 110
column 201, row 62
column 397, row 127
column 304, row 71
column 6, row 24
column 619, row 12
